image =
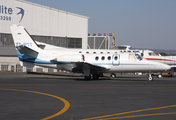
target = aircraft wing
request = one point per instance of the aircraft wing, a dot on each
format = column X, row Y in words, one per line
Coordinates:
column 93, row 68
column 172, row 66
column 26, row 50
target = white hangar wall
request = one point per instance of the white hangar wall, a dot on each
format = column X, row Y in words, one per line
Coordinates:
column 42, row 21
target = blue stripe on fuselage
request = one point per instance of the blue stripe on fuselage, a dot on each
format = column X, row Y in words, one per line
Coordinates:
column 28, row 58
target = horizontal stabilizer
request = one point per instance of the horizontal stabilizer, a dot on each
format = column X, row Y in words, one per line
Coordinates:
column 26, row 50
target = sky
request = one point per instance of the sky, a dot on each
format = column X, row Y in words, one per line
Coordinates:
column 147, row 24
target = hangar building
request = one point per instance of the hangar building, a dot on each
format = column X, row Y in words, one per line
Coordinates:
column 45, row 24
column 42, row 21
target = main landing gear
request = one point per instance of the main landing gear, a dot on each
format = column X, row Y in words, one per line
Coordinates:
column 94, row 76
column 87, row 77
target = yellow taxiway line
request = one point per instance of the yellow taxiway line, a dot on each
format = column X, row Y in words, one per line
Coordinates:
column 66, row 107
column 144, row 115
column 105, row 116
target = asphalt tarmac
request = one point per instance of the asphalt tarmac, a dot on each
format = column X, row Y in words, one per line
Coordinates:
column 65, row 96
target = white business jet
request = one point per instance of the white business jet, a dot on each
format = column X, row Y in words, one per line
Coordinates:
column 152, row 56
column 87, row 61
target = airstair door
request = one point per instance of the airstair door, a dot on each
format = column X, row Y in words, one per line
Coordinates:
column 116, row 59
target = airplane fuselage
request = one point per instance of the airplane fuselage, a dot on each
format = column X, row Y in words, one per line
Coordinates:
column 113, row 60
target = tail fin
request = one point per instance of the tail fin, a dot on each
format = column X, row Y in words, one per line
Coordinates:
column 27, row 48
column 22, row 37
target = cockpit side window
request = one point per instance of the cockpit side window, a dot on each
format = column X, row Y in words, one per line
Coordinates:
column 131, row 57
column 138, row 57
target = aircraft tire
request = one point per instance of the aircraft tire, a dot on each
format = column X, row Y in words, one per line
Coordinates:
column 159, row 76
column 95, row 76
column 113, row 75
column 100, row 74
column 87, row 77
column 150, row 78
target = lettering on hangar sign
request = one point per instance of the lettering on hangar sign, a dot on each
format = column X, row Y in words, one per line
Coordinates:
column 5, row 13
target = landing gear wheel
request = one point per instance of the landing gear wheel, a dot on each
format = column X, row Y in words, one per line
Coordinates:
column 113, row 75
column 159, row 76
column 150, row 77
column 87, row 77
column 95, row 76
column 100, row 74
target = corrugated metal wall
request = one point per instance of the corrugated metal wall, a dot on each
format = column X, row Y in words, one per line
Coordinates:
column 43, row 21
column 98, row 42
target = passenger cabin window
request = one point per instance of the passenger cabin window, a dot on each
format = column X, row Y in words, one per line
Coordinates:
column 87, row 52
column 94, row 52
column 115, row 58
column 109, row 57
column 80, row 52
column 103, row 58
column 136, row 51
column 101, row 52
column 96, row 58
column 108, row 52
column 131, row 57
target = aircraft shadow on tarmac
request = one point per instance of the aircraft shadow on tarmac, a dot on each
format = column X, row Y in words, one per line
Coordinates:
column 79, row 77
column 52, row 74
column 76, row 77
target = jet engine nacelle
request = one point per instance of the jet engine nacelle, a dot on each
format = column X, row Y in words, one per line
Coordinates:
column 70, row 58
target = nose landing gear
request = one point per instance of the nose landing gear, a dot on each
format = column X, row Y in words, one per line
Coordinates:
column 150, row 77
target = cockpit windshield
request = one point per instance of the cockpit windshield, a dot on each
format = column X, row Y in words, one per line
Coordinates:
column 153, row 54
column 138, row 57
